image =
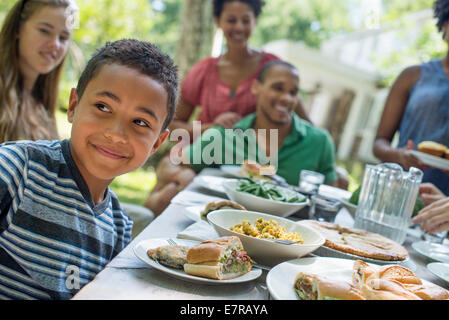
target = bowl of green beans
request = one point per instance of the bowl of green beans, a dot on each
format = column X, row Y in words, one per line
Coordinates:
column 264, row 196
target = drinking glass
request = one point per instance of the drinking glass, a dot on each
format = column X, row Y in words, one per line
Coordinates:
column 310, row 181
column 387, row 198
column 323, row 209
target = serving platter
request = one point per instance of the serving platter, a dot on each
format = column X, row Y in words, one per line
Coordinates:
column 141, row 248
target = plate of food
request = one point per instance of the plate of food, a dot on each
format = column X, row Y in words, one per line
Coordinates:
column 435, row 251
column 198, row 213
column 215, row 262
column 351, row 243
column 433, row 154
column 322, row 278
column 259, row 232
column 263, row 196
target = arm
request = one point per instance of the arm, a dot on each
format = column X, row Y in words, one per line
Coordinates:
column 435, row 217
column 391, row 118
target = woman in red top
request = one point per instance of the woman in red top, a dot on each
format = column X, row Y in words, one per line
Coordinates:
column 221, row 86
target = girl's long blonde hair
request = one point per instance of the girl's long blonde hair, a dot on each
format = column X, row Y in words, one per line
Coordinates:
column 23, row 117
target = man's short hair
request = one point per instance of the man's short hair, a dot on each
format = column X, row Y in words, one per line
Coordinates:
column 141, row 56
column 270, row 64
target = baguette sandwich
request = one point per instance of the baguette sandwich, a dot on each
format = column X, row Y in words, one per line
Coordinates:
column 256, row 169
column 315, row 287
column 219, row 205
column 221, row 259
column 363, row 272
column 381, row 289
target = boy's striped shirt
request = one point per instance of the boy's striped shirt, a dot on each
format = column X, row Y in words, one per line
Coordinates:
column 53, row 238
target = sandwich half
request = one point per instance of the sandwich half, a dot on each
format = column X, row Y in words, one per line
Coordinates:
column 221, row 259
column 219, row 205
column 316, row 287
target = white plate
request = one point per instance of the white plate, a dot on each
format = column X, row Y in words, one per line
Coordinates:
column 266, row 252
column 255, row 203
column 140, row 250
column 194, row 212
column 231, row 170
column 211, row 183
column 281, row 278
column 441, row 270
column 430, row 160
column 433, row 251
column 334, row 192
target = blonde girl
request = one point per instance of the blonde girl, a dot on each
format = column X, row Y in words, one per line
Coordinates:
column 34, row 38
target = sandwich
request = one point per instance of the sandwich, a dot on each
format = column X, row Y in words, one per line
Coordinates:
column 316, row 287
column 381, row 289
column 428, row 291
column 221, row 259
column 362, row 272
column 433, row 148
column 219, row 205
column 170, row 256
column 255, row 169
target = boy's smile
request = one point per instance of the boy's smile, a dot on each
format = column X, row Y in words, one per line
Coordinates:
column 116, row 125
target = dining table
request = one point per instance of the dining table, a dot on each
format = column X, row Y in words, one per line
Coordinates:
column 126, row 277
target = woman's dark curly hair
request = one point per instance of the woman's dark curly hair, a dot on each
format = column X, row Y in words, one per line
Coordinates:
column 441, row 12
column 256, row 5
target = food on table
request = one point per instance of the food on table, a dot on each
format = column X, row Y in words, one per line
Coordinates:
column 369, row 282
column 170, row 256
column 253, row 169
column 318, row 287
column 393, row 282
column 359, row 242
column 270, row 191
column 264, row 229
column 219, row 205
column 221, row 259
column 433, row 148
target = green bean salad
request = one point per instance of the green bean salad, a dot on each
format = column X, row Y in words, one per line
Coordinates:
column 270, row 191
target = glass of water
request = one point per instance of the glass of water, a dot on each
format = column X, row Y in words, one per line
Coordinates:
column 310, row 181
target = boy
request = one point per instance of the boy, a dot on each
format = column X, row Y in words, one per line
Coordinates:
column 297, row 144
column 60, row 224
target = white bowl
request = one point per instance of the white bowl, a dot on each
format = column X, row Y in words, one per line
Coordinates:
column 263, row 251
column 255, row 203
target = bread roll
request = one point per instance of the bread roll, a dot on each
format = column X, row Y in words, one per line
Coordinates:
column 381, row 289
column 433, row 148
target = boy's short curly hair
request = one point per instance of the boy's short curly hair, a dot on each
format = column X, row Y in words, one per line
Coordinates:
column 256, row 5
column 141, row 56
column 261, row 75
column 441, row 12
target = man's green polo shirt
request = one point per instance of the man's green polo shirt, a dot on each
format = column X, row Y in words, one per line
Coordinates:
column 305, row 148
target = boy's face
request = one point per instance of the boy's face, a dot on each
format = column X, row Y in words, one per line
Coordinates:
column 277, row 95
column 117, row 123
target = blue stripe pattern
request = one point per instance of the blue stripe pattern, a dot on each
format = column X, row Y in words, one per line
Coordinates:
column 52, row 239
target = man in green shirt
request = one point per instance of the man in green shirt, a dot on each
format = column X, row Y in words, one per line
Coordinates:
column 274, row 134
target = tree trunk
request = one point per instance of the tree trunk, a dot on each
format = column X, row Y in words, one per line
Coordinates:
column 196, row 36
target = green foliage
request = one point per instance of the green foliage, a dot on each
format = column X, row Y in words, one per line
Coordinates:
column 302, row 20
column 135, row 186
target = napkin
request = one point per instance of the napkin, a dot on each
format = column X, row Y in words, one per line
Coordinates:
column 190, row 198
column 199, row 231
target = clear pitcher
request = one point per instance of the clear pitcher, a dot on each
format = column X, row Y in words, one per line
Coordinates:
column 387, row 199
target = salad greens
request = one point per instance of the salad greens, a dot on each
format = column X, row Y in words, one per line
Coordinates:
column 270, row 191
